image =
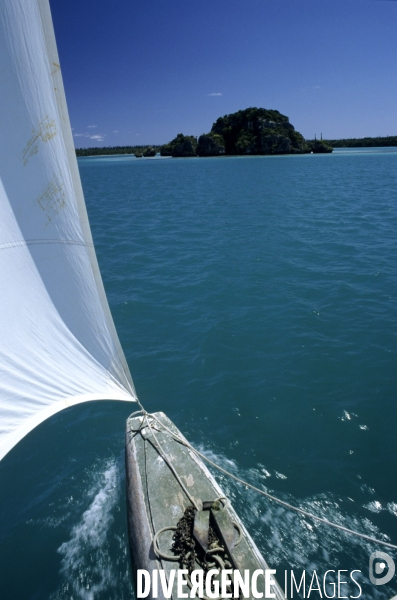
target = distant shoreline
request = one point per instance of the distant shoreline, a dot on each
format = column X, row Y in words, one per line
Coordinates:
column 367, row 142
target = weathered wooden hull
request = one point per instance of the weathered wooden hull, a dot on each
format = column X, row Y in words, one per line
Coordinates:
column 156, row 499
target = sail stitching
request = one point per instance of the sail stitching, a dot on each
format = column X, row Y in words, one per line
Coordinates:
column 7, row 245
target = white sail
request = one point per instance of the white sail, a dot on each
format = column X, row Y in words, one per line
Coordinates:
column 58, row 343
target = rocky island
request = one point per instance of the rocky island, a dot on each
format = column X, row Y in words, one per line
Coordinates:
column 252, row 131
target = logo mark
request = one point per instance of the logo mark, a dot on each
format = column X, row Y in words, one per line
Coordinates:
column 381, row 560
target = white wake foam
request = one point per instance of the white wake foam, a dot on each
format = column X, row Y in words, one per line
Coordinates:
column 288, row 538
column 87, row 566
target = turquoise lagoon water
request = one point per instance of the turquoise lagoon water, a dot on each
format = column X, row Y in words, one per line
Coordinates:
column 255, row 299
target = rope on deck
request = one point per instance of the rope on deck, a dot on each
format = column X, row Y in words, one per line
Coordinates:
column 162, row 452
column 252, row 487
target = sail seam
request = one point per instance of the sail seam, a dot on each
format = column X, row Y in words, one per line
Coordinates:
column 8, row 245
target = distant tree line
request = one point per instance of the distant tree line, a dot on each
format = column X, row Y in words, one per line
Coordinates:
column 118, row 150
column 252, row 131
column 367, row 142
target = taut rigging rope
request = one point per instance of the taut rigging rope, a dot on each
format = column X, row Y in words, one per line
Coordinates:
column 252, row 487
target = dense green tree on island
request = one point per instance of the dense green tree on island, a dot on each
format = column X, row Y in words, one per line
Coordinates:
column 182, row 145
column 319, row 147
column 210, row 144
column 149, row 152
column 259, row 131
column 250, row 131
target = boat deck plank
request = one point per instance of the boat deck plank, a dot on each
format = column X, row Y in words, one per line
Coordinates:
column 162, row 501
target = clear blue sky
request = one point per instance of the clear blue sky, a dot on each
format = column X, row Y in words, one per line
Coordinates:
column 139, row 72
